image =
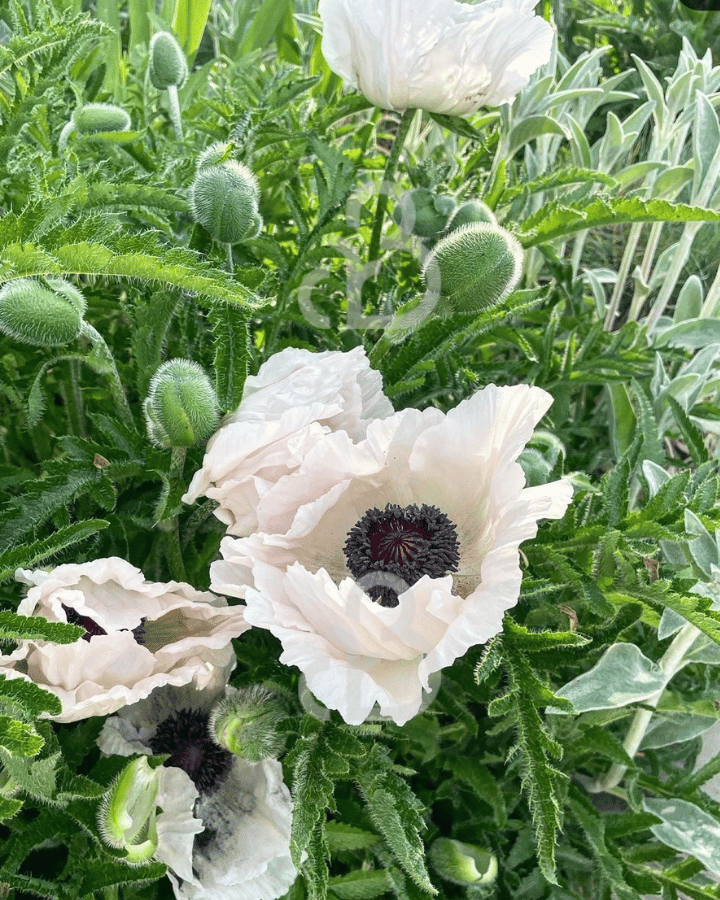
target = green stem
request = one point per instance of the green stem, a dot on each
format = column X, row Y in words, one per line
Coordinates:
column 671, row 663
column 230, row 263
column 175, row 115
column 103, row 355
column 171, row 525
column 72, row 395
column 390, row 167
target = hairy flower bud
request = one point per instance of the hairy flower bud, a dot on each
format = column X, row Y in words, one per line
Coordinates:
column 216, row 153
column 469, row 212
column 462, row 863
column 181, row 408
column 473, row 268
column 126, row 817
column 45, row 315
column 99, row 117
column 168, row 66
column 245, row 723
column 423, row 213
column 224, row 199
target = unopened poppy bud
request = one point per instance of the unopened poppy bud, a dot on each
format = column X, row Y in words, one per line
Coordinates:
column 99, row 117
column 45, row 315
column 216, row 153
column 462, row 863
column 181, row 408
column 168, row 66
column 473, row 268
column 245, row 723
column 423, row 213
column 126, row 818
column 224, row 199
column 471, row 211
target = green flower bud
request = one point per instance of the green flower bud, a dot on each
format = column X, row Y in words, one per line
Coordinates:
column 224, row 199
column 99, row 117
column 462, row 863
column 473, row 268
column 423, row 213
column 471, row 211
column 216, row 153
column 245, row 723
column 168, row 65
column 181, row 408
column 127, row 814
column 45, row 316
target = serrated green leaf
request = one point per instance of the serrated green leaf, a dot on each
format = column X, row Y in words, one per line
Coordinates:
column 691, row 435
column 29, row 697
column 347, row 837
column 35, row 628
column 230, row 333
column 19, row 738
column 361, row 885
column 94, row 877
column 312, row 793
column 31, row 555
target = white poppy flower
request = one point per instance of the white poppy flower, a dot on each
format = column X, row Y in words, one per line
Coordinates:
column 295, row 399
column 384, row 560
column 138, row 635
column 224, row 829
column 438, row 55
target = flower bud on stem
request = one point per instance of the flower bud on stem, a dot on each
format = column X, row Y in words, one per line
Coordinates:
column 245, row 723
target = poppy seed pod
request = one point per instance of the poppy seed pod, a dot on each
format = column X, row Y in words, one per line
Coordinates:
column 462, row 863
column 224, row 199
column 473, row 268
column 100, row 117
column 44, row 315
column 245, row 723
column 181, row 408
column 168, row 66
column 469, row 212
column 126, row 817
column 423, row 213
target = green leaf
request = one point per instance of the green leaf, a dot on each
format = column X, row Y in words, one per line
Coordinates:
column 687, row 828
column 362, row 885
column 31, row 555
column 312, row 793
column 347, row 837
column 555, row 220
column 18, row 738
column 95, row 877
column 230, row 332
column 30, row 698
column 9, row 808
column 35, row 628
column 530, row 128
column 691, row 435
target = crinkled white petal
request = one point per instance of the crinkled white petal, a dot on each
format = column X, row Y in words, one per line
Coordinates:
column 355, row 653
column 295, row 399
column 187, row 635
column 439, row 55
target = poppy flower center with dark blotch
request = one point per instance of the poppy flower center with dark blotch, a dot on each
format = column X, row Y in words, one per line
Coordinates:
column 92, row 628
column 185, row 736
column 389, row 550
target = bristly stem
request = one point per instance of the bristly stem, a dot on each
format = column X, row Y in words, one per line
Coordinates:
column 171, row 525
column 175, row 115
column 104, row 361
column 390, row 167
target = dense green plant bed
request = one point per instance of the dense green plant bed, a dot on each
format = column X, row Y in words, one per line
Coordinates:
column 359, row 487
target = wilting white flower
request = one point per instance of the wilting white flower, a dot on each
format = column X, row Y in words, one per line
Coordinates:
column 138, row 635
column 224, row 829
column 438, row 55
column 295, row 399
column 382, row 561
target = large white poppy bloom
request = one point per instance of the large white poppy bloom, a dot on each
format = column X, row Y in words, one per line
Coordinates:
column 438, row 55
column 224, row 829
column 370, row 599
column 139, row 635
column 295, row 399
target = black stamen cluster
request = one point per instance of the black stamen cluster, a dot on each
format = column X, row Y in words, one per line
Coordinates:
column 92, row 628
column 186, row 738
column 409, row 542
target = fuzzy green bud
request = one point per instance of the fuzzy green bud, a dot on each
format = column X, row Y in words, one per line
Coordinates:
column 473, row 268
column 45, row 315
column 423, row 213
column 462, row 863
column 126, row 818
column 245, row 723
column 219, row 152
column 224, row 199
column 168, row 66
column 469, row 212
column 94, row 118
column 181, row 408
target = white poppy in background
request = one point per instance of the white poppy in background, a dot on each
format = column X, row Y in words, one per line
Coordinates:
column 295, row 399
column 138, row 635
column 384, row 560
column 224, row 828
column 438, row 55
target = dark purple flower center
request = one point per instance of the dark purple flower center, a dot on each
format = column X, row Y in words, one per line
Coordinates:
column 185, row 736
column 397, row 545
column 92, row 628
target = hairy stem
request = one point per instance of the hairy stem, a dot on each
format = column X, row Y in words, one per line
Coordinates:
column 175, row 115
